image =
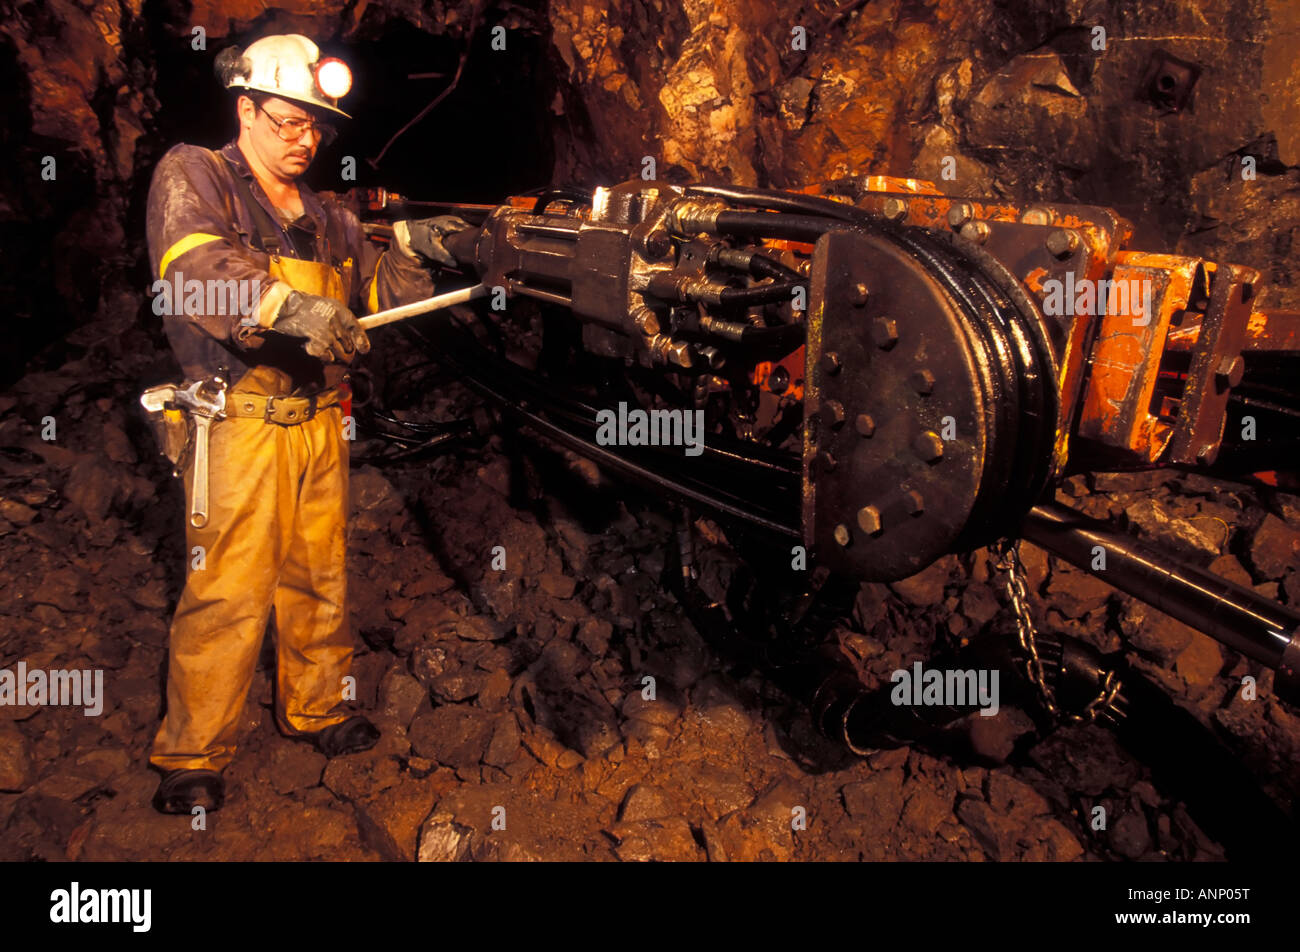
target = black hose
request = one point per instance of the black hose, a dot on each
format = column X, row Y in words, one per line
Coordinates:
column 759, row 265
column 764, row 267
column 806, row 228
column 566, row 192
column 782, row 201
column 761, row 294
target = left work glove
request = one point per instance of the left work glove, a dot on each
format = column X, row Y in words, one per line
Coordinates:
column 423, row 237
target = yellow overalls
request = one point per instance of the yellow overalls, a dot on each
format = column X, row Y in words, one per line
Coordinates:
column 275, row 538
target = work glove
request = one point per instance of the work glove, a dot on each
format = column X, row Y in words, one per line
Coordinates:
column 327, row 328
column 424, row 237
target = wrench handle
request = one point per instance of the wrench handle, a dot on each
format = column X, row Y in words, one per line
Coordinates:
column 199, row 494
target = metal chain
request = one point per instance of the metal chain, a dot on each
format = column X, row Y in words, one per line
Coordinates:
column 1008, row 561
column 1018, row 595
column 1109, row 688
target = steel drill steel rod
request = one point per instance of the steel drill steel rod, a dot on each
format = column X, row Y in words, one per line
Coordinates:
column 1245, row 621
column 435, row 303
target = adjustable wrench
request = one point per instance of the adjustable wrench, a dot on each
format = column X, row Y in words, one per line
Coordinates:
column 205, row 401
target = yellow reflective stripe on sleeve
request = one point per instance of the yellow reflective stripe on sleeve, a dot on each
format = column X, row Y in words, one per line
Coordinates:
column 188, row 243
column 372, row 305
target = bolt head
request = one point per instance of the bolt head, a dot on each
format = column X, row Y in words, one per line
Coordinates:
column 895, row 208
column 828, row 462
column 922, row 381
column 884, row 331
column 1062, row 243
column 842, row 536
column 1035, row 216
column 928, row 446
column 835, row 414
column 860, row 294
column 959, row 214
column 913, row 502
column 831, row 362
column 657, row 244
column 864, row 424
column 869, row 520
column 976, row 231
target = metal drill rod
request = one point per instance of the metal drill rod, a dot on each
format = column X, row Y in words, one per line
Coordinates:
column 1244, row 620
column 435, row 303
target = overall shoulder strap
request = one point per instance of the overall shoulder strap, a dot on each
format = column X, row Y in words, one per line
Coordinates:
column 268, row 232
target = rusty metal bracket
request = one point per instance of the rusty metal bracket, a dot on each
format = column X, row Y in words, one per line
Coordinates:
column 1216, row 367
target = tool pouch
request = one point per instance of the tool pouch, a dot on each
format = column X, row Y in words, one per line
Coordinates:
column 171, row 427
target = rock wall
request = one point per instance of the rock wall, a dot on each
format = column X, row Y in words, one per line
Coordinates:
column 1021, row 96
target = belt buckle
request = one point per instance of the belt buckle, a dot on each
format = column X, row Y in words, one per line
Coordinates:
column 311, row 408
column 270, row 403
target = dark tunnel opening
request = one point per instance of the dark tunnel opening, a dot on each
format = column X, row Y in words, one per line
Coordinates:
column 487, row 139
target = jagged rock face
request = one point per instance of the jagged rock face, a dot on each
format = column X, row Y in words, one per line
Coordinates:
column 1016, row 100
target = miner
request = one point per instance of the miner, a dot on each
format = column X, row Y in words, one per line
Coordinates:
column 266, row 468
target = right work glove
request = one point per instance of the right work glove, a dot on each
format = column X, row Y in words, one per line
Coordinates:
column 328, row 330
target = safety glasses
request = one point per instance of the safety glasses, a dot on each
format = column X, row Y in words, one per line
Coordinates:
column 291, row 129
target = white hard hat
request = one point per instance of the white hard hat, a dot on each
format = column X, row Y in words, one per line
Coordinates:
column 288, row 66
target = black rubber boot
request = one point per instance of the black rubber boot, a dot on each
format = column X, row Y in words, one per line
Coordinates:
column 182, row 790
column 348, row 737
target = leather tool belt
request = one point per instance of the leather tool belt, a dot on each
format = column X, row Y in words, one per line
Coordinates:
column 286, row 411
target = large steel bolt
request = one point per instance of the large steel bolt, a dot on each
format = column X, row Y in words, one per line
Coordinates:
column 1062, row 243
column 895, row 208
column 1035, row 216
column 831, row 362
column 913, row 502
column 976, row 231
column 869, row 520
column 864, row 424
column 884, row 331
column 922, row 381
column 842, row 536
column 928, row 446
column 860, row 294
column 834, row 414
column 960, row 213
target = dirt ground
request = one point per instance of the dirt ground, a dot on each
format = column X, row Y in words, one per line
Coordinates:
column 511, row 701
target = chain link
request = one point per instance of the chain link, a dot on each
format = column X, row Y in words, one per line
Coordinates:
column 1008, row 562
column 1018, row 595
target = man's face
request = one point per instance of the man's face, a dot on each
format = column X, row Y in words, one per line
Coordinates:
column 286, row 160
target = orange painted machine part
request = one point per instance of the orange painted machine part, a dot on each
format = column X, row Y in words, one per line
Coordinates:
column 1127, row 354
column 1266, row 331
